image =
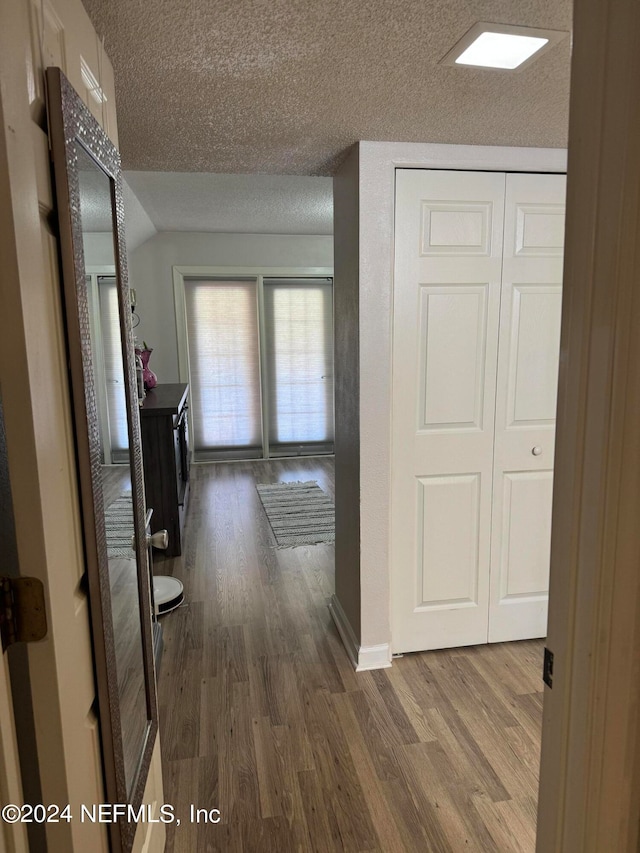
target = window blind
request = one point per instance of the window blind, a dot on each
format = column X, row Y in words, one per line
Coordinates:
column 113, row 368
column 298, row 315
column 222, row 331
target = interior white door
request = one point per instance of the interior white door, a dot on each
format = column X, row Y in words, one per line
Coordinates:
column 528, row 351
column 448, row 265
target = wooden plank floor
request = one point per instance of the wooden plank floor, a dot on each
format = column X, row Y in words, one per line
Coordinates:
column 263, row 717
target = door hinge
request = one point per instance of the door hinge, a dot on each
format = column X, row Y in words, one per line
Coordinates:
column 23, row 615
column 547, row 668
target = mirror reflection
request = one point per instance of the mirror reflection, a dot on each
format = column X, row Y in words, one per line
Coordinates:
column 109, row 381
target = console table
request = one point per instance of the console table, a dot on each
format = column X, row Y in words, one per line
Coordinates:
column 165, row 451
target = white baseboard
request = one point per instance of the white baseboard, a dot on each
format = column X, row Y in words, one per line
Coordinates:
column 374, row 657
column 362, row 657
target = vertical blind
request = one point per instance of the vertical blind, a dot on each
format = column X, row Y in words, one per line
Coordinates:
column 222, row 332
column 298, row 317
column 113, row 368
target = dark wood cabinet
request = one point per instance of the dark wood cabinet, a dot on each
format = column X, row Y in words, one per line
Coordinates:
column 165, row 450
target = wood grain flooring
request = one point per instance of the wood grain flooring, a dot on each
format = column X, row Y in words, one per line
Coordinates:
column 263, row 717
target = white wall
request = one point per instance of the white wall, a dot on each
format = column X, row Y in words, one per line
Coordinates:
column 138, row 227
column 150, row 273
column 98, row 249
column 374, row 196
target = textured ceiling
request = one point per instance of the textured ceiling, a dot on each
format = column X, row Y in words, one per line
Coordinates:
column 250, row 204
column 287, row 86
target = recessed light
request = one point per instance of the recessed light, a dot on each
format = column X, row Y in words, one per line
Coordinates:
column 501, row 46
column 500, row 50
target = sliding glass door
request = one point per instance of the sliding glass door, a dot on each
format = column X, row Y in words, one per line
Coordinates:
column 261, row 366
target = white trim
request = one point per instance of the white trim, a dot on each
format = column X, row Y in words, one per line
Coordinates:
column 377, row 164
column 374, row 657
column 181, row 325
column 362, row 657
column 100, row 269
column 263, row 368
column 419, row 155
column 253, row 272
column 91, row 82
column 590, row 761
column 273, row 459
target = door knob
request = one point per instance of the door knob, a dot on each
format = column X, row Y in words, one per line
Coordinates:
column 536, row 450
column 159, row 539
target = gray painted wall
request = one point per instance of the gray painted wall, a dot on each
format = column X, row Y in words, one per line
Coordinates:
column 347, row 387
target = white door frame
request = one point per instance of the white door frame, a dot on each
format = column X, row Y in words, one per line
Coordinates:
column 378, row 162
column 590, row 770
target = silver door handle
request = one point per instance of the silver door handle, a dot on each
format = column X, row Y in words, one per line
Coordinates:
column 159, row 539
column 537, row 451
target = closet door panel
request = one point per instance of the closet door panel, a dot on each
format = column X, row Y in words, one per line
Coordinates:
column 524, row 553
column 448, row 565
column 452, row 343
column 529, row 336
column 532, row 370
column 449, row 228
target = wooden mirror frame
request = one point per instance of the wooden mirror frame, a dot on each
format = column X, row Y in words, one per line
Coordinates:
column 71, row 125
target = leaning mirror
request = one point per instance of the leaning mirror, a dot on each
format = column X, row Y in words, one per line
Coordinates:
column 101, row 356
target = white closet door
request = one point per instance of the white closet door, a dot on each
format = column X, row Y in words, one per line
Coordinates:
column 449, row 228
column 526, row 405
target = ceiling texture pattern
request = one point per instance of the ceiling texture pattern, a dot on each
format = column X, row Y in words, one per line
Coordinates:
column 287, row 86
column 252, row 204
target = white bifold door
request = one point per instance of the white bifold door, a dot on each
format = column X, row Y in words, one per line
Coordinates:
column 477, row 297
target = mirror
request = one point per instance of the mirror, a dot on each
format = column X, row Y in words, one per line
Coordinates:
column 100, row 339
column 109, row 383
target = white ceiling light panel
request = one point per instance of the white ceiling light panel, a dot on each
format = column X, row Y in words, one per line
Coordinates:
column 503, row 46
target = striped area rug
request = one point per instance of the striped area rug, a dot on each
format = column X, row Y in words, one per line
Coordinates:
column 118, row 521
column 299, row 513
